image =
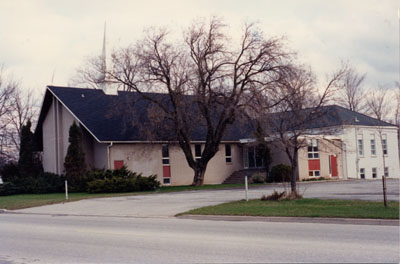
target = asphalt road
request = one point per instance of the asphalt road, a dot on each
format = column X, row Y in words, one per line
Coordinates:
column 142, row 229
column 79, row 239
column 169, row 204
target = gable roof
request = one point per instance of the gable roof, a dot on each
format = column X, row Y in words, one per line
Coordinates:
column 334, row 115
column 120, row 118
column 124, row 117
column 324, row 117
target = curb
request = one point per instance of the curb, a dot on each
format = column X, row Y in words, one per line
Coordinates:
column 319, row 220
column 3, row 211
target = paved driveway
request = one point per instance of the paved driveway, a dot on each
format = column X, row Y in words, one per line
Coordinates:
column 169, row 204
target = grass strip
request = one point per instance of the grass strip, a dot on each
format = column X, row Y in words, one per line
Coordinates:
column 304, row 208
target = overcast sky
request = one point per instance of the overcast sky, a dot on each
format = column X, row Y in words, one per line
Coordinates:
column 39, row 37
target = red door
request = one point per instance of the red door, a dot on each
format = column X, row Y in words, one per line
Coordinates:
column 333, row 163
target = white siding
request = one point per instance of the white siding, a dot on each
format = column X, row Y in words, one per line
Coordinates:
column 55, row 141
column 368, row 160
column 49, row 139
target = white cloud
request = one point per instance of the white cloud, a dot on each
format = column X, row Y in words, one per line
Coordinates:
column 38, row 37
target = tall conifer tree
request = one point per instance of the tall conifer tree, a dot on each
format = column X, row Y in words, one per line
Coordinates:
column 28, row 165
column 75, row 166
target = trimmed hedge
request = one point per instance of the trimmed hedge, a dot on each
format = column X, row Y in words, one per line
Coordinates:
column 121, row 180
column 94, row 181
column 45, row 182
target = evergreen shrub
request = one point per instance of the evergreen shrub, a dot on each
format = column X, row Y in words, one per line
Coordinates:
column 121, row 180
column 258, row 177
column 280, row 173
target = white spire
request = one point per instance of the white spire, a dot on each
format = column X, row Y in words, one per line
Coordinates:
column 52, row 77
column 102, row 77
column 104, row 49
column 107, row 87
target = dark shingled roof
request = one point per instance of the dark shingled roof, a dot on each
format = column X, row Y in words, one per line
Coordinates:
column 334, row 115
column 124, row 117
column 323, row 117
column 121, row 117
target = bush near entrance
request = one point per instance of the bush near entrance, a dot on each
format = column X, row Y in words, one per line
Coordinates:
column 280, row 173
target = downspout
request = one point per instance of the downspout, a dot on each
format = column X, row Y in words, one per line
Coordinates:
column 357, row 157
column 108, row 155
column 344, row 160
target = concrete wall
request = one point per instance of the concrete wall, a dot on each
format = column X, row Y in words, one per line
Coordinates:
column 147, row 159
column 368, row 160
column 326, row 149
column 143, row 158
column 100, row 155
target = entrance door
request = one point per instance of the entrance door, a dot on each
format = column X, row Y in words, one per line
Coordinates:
column 253, row 157
column 333, row 169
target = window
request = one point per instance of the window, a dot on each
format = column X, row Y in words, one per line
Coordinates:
column 251, row 155
column 165, row 154
column 166, row 164
column 228, row 153
column 312, row 148
column 386, row 172
column 166, row 180
column 118, row 164
column 197, row 152
column 384, row 145
column 373, row 147
column 254, row 157
column 362, row 173
column 374, row 174
column 313, row 173
column 360, row 146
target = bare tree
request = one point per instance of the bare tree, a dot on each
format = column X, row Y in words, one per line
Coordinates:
column 16, row 108
column 352, row 94
column 91, row 74
column 7, row 91
column 300, row 105
column 379, row 107
column 397, row 107
column 208, row 83
column 397, row 113
column 23, row 109
column 377, row 103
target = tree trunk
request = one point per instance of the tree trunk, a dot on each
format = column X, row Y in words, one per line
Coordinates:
column 198, row 178
column 293, row 184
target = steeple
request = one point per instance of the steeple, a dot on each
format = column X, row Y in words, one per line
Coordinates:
column 104, row 49
column 102, row 77
column 104, row 83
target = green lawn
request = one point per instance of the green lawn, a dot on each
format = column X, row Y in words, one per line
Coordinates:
column 304, row 208
column 20, row 201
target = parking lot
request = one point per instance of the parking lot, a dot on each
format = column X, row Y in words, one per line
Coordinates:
column 169, row 204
